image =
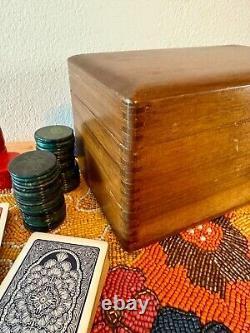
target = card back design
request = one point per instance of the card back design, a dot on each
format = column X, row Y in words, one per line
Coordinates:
column 49, row 289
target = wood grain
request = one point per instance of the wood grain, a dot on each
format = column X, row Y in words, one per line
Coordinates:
column 156, row 74
column 166, row 135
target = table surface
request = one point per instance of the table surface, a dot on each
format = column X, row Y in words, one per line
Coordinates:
column 20, row 147
column 197, row 280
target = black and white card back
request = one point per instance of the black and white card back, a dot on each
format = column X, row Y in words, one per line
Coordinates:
column 54, row 285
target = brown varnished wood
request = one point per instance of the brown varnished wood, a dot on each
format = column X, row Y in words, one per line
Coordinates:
column 20, row 146
column 110, row 170
column 93, row 94
column 166, row 135
column 155, row 74
column 186, row 115
column 172, row 221
column 97, row 179
column 85, row 117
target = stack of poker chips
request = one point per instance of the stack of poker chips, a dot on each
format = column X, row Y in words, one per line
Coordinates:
column 60, row 141
column 5, row 159
column 38, row 191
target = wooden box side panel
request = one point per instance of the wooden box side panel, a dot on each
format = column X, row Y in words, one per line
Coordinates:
column 107, row 164
column 107, row 181
column 103, row 102
column 85, row 118
column 188, row 169
column 192, row 152
column 99, row 184
column 158, row 227
column 112, row 156
column 107, row 167
column 186, row 115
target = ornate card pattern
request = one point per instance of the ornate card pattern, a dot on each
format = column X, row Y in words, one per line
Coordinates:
column 49, row 289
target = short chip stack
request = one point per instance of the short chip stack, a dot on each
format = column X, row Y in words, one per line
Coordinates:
column 38, row 190
column 60, row 141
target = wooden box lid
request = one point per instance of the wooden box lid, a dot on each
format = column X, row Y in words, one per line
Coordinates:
column 154, row 74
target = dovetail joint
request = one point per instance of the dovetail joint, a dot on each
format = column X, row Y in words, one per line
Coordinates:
column 131, row 133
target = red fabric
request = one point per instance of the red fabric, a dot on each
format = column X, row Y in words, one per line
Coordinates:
column 5, row 159
column 2, row 143
column 5, row 179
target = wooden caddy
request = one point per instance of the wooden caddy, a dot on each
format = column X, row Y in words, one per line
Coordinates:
column 166, row 135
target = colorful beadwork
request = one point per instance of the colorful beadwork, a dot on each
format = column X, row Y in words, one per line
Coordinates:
column 126, row 283
column 197, row 281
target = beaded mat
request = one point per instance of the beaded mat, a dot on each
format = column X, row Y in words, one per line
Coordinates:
column 195, row 281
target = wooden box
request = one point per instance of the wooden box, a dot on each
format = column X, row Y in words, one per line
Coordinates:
column 166, row 135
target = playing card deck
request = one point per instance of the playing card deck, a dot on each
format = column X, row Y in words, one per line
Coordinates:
column 54, row 285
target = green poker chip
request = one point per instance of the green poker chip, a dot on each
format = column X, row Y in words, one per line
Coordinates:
column 67, row 165
column 32, row 164
column 70, row 186
column 39, row 186
column 38, row 183
column 54, row 134
column 67, row 144
column 38, row 189
column 60, row 141
column 45, row 208
column 57, row 151
column 45, row 222
column 40, row 199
